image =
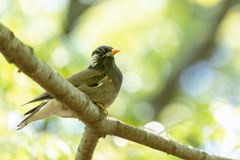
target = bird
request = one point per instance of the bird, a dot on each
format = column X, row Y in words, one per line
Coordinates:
column 101, row 81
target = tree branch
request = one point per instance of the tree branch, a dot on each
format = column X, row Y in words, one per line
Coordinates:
column 24, row 58
column 161, row 143
column 97, row 125
column 87, row 145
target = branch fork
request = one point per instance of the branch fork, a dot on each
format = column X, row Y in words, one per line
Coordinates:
column 97, row 124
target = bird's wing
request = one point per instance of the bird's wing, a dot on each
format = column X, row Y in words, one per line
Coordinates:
column 88, row 76
column 41, row 97
column 35, row 109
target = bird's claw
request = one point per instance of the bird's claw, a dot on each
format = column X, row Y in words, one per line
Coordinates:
column 103, row 108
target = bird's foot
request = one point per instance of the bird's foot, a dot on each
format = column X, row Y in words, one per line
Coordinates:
column 103, row 108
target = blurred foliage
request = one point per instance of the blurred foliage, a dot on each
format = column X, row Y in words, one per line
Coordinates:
column 180, row 61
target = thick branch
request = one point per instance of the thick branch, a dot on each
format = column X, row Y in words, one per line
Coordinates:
column 24, row 58
column 159, row 143
column 80, row 105
column 87, row 145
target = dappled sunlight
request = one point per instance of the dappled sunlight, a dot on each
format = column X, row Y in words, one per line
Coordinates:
column 119, row 141
column 207, row 3
column 20, row 78
column 152, row 5
column 143, row 111
column 119, row 109
column 230, row 33
column 50, row 151
column 13, row 120
column 164, row 37
column 64, row 147
column 155, row 127
column 180, row 64
column 84, row 39
column 30, row 8
column 132, row 82
column 52, row 6
column 202, row 82
column 60, row 57
column 222, row 112
column 5, row 4
column 99, row 156
column 198, row 79
column 179, row 111
column 70, row 126
column 221, row 56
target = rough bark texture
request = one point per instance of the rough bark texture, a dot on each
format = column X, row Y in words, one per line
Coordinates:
column 161, row 143
column 87, row 145
column 24, row 58
column 97, row 125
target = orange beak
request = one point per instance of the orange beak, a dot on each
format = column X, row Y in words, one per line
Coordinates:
column 114, row 51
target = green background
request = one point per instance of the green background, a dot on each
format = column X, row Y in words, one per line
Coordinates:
column 180, row 60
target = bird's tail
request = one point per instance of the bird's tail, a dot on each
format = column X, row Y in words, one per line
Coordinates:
column 31, row 117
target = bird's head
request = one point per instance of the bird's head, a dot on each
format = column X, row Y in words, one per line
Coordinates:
column 102, row 56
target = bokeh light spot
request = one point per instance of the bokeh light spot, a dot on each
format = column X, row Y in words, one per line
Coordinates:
column 152, row 5
column 155, row 127
column 143, row 111
column 64, row 147
column 99, row 155
column 119, row 141
column 207, row 3
column 4, row 6
column 132, row 82
column 60, row 57
column 51, row 151
column 13, row 120
column 178, row 111
column 119, row 109
column 29, row 7
column 84, row 36
column 164, row 37
column 221, row 56
column 229, row 35
column 21, row 79
column 52, row 6
column 222, row 112
column 197, row 79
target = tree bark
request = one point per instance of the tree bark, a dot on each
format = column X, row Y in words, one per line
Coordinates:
column 87, row 145
column 97, row 125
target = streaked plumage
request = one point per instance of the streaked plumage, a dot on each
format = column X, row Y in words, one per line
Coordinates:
column 101, row 81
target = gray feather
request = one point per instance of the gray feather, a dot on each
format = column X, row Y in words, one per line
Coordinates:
column 88, row 76
column 101, row 82
column 32, row 111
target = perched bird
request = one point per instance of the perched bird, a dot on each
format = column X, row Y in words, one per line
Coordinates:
column 101, row 81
